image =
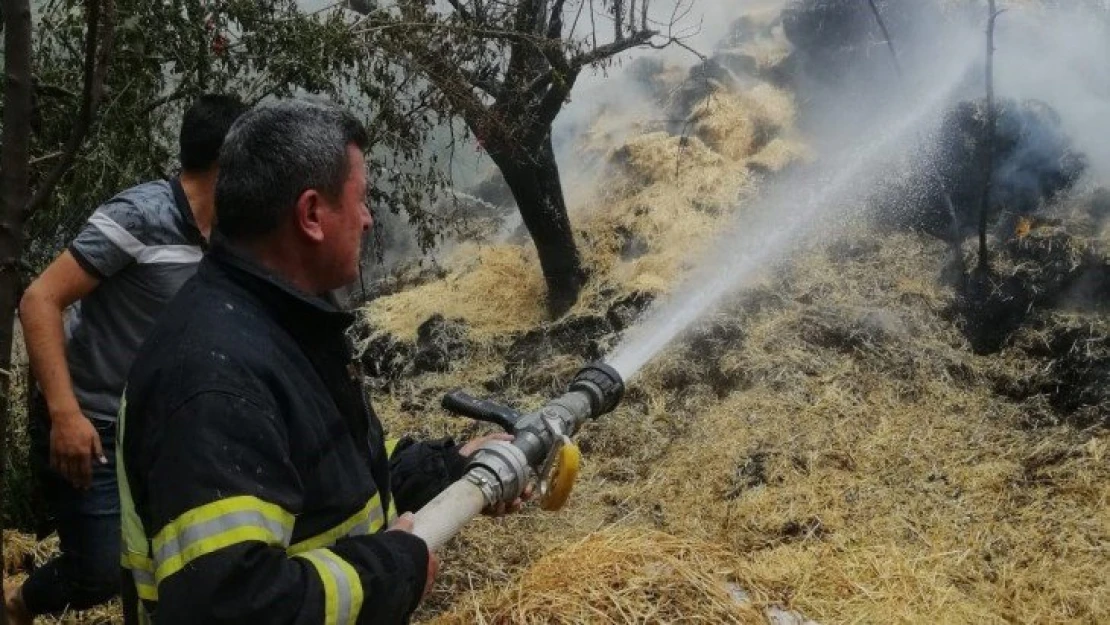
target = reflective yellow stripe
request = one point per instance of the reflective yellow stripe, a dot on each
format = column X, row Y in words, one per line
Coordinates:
column 391, row 513
column 342, row 587
column 368, row 520
column 134, row 536
column 145, row 584
column 390, row 446
column 217, row 525
column 135, row 551
column 136, row 561
column 142, row 572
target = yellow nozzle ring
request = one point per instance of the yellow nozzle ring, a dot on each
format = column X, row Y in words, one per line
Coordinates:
column 559, row 481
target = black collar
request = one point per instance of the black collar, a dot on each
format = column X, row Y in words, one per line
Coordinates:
column 191, row 230
column 301, row 313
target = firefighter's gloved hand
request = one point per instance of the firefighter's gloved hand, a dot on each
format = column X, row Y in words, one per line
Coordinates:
column 501, row 508
column 404, row 523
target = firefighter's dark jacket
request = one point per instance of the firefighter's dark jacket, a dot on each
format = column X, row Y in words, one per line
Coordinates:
column 254, row 476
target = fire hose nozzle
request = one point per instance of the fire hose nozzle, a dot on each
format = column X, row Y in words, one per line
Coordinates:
column 541, row 436
column 602, row 384
column 542, row 448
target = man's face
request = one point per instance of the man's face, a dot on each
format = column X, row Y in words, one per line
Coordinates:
column 345, row 223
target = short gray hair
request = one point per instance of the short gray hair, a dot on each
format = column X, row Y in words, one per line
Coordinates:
column 274, row 153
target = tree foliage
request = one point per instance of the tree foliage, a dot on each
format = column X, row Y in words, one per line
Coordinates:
column 165, row 53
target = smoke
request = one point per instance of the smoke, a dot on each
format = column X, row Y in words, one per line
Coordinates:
column 1051, row 52
column 1059, row 55
column 806, row 205
column 854, row 104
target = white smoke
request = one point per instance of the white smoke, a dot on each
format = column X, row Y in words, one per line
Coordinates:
column 1057, row 55
column 1061, row 56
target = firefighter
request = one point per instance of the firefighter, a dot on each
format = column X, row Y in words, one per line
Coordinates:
column 256, row 482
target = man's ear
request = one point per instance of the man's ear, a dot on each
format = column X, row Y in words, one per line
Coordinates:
column 307, row 215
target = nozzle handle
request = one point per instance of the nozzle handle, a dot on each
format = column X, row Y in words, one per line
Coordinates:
column 460, row 403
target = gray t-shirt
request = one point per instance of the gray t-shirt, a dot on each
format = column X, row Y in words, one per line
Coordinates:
column 143, row 244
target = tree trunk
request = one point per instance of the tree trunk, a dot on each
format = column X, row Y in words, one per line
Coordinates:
column 14, row 191
column 538, row 191
column 984, row 208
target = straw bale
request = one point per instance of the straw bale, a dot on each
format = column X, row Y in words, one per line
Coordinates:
column 483, row 283
column 725, row 125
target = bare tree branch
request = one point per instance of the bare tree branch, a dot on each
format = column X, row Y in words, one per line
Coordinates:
column 555, row 22
column 577, row 16
column 173, row 96
column 98, row 50
column 988, row 139
column 680, row 43
column 618, row 31
column 886, row 35
column 593, row 23
column 611, row 49
column 54, row 91
column 450, row 80
column 461, row 10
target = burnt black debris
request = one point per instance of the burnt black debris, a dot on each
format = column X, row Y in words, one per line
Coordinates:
column 624, row 312
column 439, row 343
column 849, row 329
column 1075, row 376
column 1035, row 163
column 839, row 43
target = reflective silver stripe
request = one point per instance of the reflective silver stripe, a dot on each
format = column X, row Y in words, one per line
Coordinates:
column 193, row 534
column 144, row 254
column 366, row 521
column 143, row 577
column 343, row 594
column 371, row 524
column 360, row 529
column 145, row 584
column 342, row 586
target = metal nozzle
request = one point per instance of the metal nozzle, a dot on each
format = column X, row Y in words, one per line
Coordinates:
column 602, row 384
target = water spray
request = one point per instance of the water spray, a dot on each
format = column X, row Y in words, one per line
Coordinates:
column 791, row 211
column 541, row 450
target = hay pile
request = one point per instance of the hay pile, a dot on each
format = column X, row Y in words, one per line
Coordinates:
column 668, row 192
column 834, row 432
column 620, row 576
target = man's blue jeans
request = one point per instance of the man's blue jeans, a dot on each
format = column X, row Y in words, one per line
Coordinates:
column 87, row 573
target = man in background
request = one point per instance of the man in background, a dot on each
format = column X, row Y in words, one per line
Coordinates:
column 84, row 319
